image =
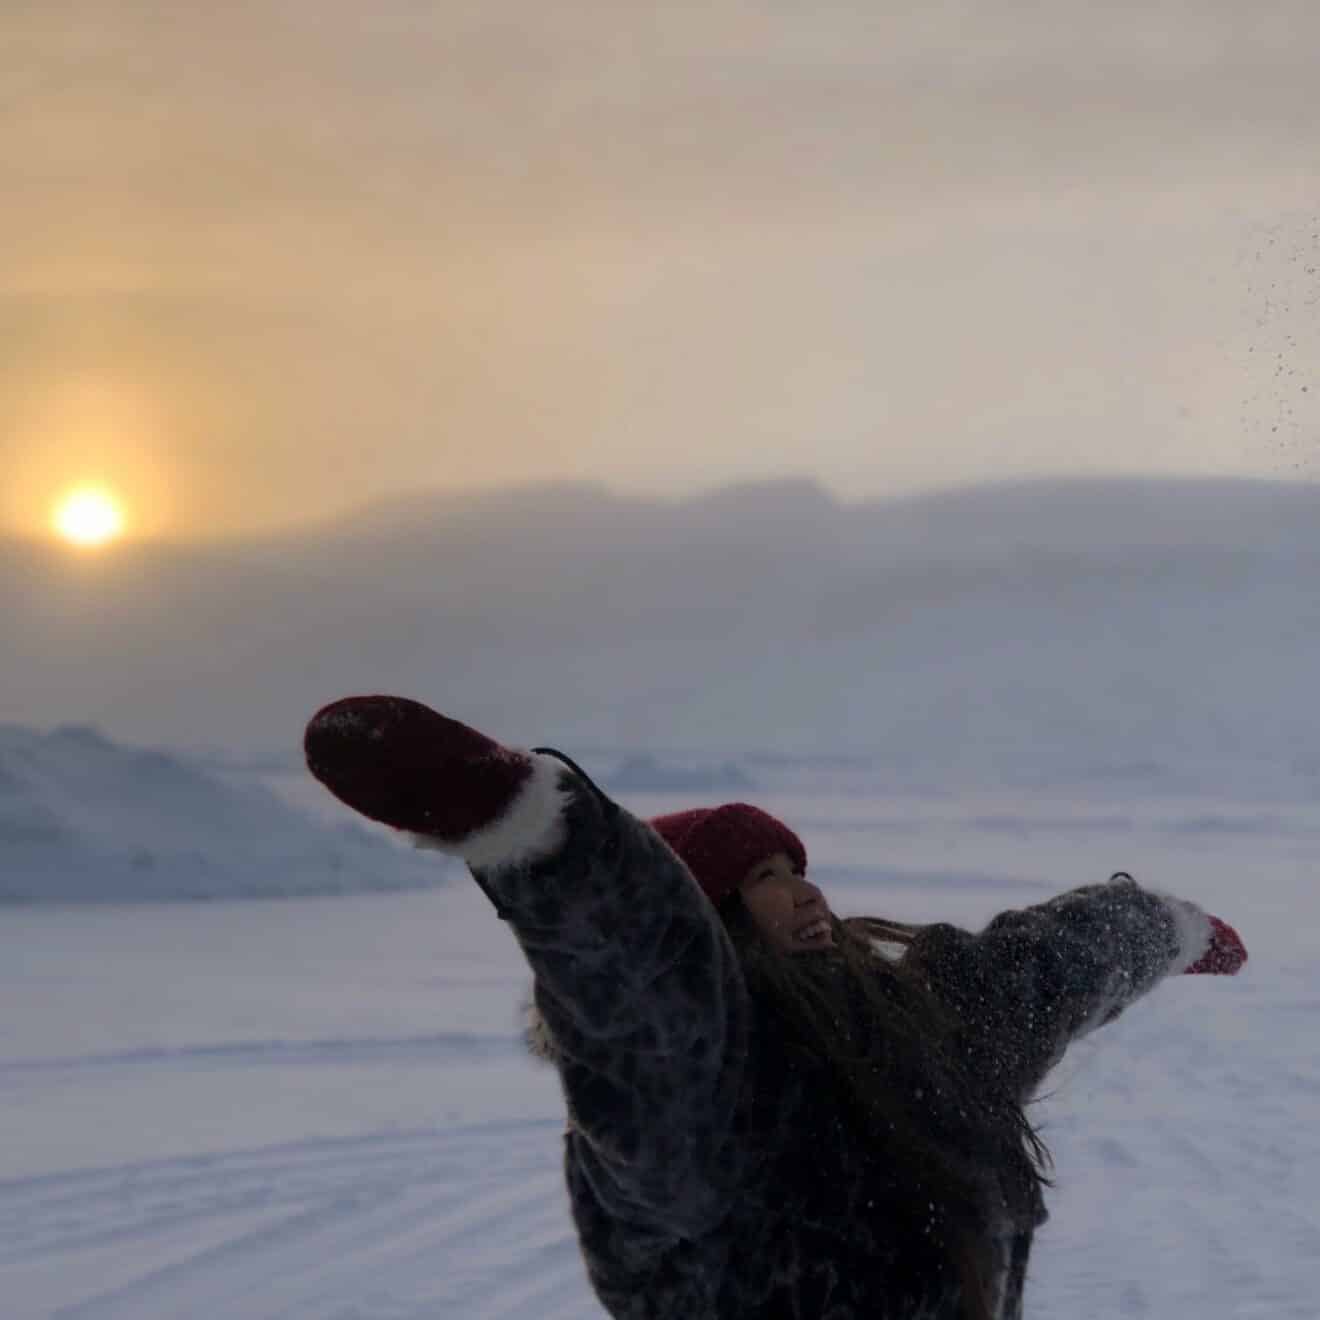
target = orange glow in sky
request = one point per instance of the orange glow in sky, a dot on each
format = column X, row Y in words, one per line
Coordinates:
column 89, row 517
column 86, row 459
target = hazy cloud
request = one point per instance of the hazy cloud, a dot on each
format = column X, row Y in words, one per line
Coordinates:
column 347, row 248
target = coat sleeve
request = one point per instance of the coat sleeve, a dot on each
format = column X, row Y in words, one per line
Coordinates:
column 1036, row 979
column 645, row 1005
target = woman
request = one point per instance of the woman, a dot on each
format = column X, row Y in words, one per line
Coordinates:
column 768, row 1116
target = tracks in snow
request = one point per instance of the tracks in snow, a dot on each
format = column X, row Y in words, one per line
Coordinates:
column 466, row 1221
column 447, row 1046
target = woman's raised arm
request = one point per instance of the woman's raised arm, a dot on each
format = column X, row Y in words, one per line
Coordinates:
column 635, row 977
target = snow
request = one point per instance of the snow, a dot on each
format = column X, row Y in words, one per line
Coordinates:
column 647, row 774
column 320, row 1107
column 84, row 818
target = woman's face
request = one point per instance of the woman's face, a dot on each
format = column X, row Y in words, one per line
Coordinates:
column 788, row 910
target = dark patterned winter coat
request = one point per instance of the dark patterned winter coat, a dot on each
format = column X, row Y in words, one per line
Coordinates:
column 708, row 1181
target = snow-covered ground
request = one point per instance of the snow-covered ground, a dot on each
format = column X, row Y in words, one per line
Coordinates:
column 319, row 1107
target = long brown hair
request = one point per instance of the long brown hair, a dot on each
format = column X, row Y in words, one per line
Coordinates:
column 892, row 1048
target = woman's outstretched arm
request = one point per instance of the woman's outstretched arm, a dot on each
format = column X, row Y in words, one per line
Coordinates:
column 1038, row 978
column 645, row 1006
column 635, row 977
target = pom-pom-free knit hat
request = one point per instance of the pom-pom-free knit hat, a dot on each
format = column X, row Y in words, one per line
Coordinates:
column 719, row 845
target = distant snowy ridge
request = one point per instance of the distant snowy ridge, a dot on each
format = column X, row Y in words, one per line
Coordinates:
column 85, row 819
column 646, row 774
column 1122, row 636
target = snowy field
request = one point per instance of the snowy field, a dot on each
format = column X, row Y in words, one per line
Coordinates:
column 319, row 1108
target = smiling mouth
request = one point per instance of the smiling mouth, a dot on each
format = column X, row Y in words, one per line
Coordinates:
column 813, row 932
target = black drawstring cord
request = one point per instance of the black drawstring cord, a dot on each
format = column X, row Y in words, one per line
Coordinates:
column 610, row 808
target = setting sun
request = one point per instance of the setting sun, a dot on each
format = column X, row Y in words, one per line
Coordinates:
column 89, row 517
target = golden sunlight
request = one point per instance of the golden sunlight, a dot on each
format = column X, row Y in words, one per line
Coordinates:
column 89, row 516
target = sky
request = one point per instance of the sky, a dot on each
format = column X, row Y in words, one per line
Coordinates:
column 264, row 262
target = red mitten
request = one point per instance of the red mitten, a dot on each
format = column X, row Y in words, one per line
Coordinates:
column 1225, row 955
column 403, row 764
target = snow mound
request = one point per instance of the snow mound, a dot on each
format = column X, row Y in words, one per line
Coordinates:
column 85, row 819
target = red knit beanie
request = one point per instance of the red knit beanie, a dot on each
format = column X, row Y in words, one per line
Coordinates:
column 719, row 845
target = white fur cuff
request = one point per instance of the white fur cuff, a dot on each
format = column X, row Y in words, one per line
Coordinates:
column 1193, row 928
column 531, row 826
